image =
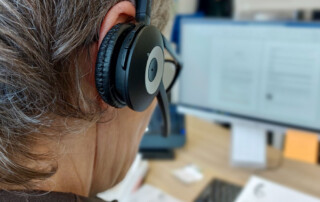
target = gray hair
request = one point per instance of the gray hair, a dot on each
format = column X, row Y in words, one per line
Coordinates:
column 41, row 86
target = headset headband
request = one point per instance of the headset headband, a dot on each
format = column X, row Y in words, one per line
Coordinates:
column 143, row 13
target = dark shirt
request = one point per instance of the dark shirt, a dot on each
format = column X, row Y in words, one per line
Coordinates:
column 39, row 196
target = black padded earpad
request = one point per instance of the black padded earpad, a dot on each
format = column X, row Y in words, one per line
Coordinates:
column 106, row 64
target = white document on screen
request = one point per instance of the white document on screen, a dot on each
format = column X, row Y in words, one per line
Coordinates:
column 261, row 190
column 268, row 72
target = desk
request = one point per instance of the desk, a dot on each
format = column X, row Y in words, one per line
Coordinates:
column 208, row 147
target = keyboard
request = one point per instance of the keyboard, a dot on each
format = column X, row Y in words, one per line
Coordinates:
column 219, row 191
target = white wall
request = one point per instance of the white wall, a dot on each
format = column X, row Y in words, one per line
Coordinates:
column 243, row 7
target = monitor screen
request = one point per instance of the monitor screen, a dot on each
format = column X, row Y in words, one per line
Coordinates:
column 268, row 72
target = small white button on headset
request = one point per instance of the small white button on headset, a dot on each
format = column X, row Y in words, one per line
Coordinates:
column 153, row 80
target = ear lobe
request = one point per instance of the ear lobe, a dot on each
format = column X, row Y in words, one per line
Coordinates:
column 119, row 13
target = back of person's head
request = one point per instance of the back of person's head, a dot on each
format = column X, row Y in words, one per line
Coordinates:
column 42, row 88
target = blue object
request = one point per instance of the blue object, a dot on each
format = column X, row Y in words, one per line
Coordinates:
column 153, row 138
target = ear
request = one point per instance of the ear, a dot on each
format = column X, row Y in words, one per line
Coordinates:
column 119, row 13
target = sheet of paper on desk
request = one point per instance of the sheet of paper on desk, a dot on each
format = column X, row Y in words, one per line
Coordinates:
column 188, row 174
column 151, row 194
column 261, row 190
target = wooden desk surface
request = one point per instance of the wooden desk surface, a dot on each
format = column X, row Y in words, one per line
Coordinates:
column 208, row 147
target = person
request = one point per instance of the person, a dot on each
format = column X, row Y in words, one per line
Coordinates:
column 58, row 140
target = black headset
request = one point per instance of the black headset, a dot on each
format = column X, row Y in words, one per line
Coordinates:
column 130, row 65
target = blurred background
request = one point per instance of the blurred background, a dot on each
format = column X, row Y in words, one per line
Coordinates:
column 246, row 110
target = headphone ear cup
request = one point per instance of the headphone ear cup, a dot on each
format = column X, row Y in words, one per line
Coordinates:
column 106, row 64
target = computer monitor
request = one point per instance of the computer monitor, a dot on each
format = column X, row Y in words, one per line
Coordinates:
column 262, row 75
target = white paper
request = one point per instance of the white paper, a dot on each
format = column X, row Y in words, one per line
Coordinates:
column 151, row 194
column 188, row 174
column 261, row 190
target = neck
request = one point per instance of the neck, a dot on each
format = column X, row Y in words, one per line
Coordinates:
column 76, row 164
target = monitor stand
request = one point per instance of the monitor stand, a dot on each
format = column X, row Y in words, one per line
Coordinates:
column 248, row 145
